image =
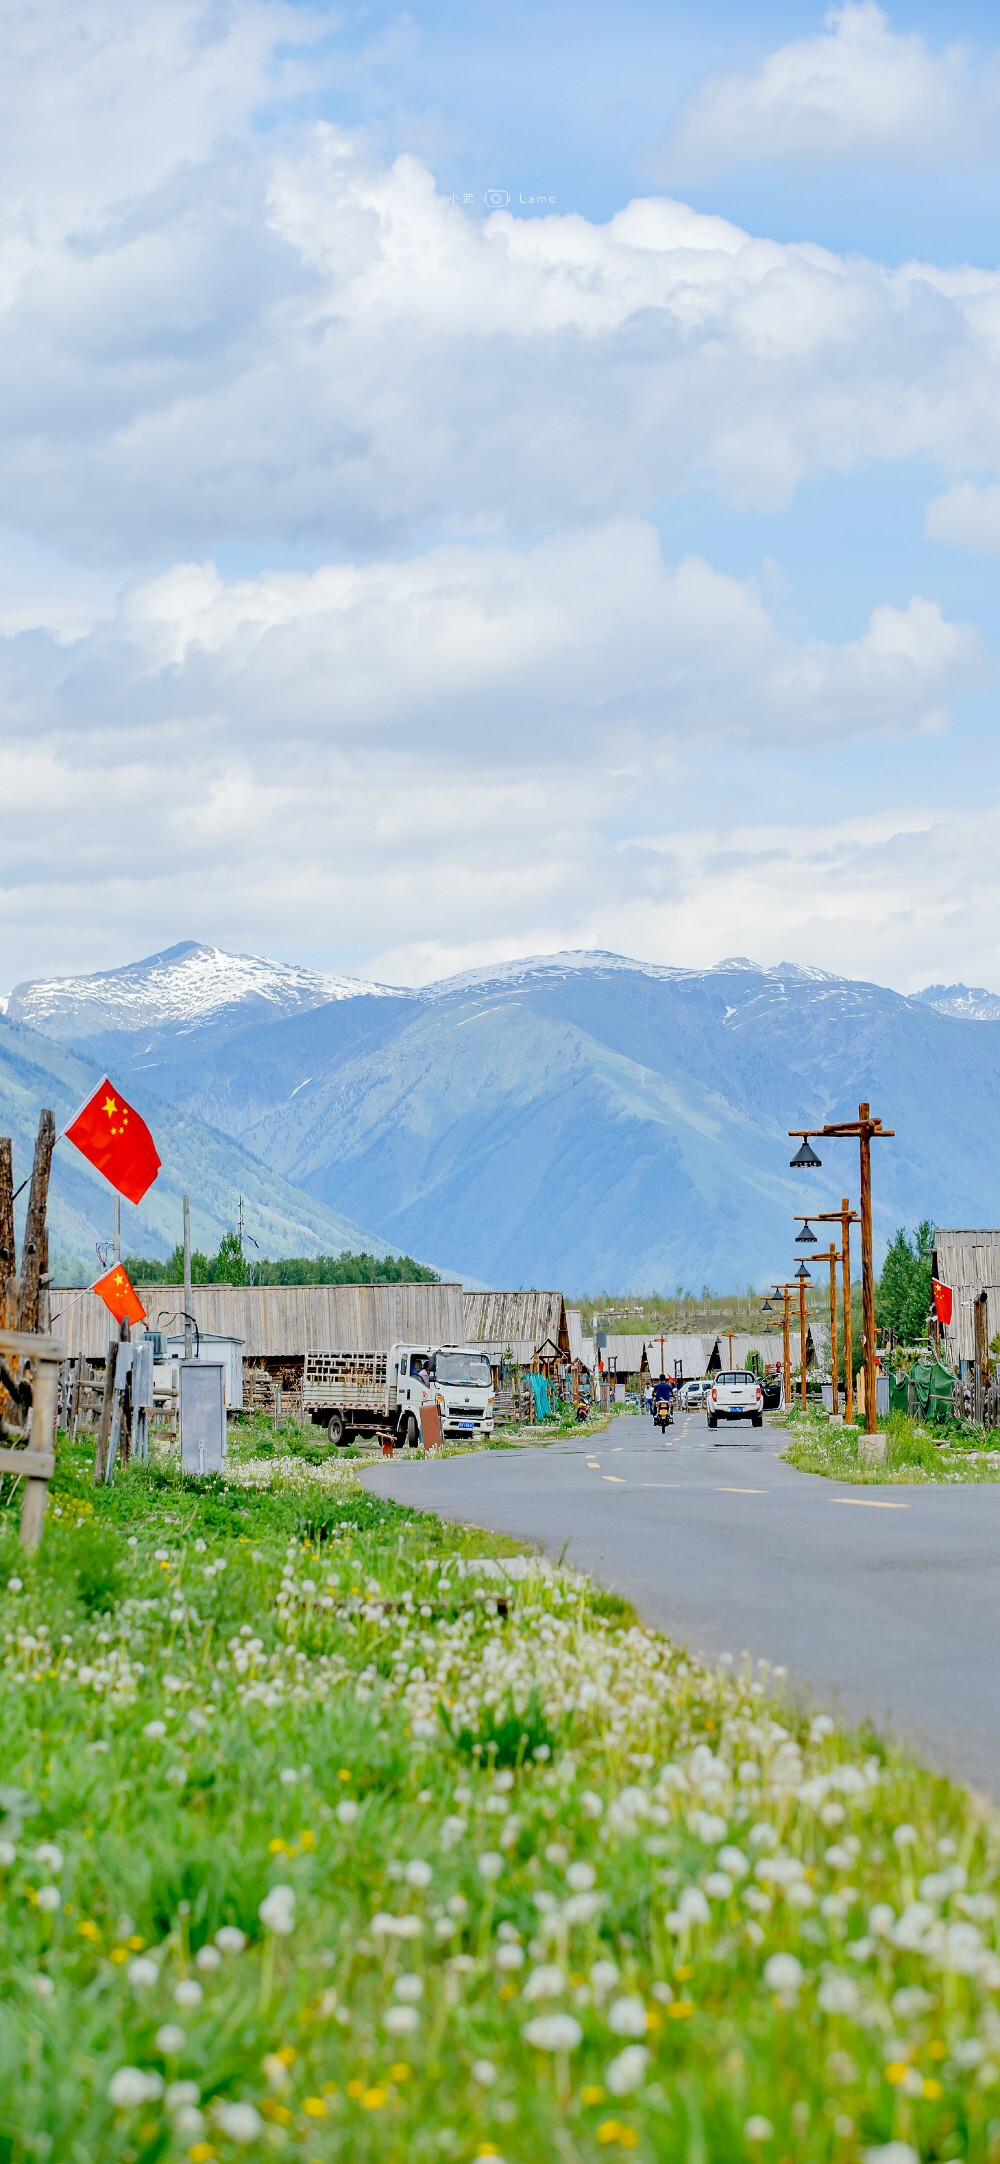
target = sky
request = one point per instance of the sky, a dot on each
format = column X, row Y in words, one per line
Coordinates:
column 476, row 481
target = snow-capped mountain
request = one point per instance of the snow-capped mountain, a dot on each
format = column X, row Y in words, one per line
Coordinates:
column 574, row 1118
column 185, row 988
column 969, row 1002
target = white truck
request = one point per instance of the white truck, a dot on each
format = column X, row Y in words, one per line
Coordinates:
column 378, row 1393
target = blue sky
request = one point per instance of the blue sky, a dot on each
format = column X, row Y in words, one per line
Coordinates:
column 395, row 581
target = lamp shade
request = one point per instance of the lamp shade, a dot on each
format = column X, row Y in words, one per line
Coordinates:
column 806, row 1236
column 805, row 1157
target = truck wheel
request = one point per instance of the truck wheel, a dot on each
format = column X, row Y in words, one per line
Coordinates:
column 713, row 1420
column 757, row 1420
column 335, row 1427
column 411, row 1432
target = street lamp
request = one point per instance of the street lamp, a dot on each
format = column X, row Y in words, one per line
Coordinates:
column 805, row 1158
column 864, row 1128
column 806, row 1237
column 845, row 1217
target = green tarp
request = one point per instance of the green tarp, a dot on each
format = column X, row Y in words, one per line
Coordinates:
column 933, row 1385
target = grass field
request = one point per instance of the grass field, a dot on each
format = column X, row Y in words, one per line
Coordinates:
column 321, row 1838
column 914, row 1455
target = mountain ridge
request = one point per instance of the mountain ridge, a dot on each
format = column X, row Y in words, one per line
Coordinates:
column 577, row 1117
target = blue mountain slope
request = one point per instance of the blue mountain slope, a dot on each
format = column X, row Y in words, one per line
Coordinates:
column 211, row 1167
column 586, row 1120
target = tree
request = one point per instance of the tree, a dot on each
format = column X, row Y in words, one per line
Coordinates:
column 903, row 1293
column 230, row 1264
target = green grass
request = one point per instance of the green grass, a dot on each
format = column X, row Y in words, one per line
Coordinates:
column 914, row 1455
column 554, row 1890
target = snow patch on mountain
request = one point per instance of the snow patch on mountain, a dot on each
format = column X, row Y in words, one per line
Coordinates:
column 182, row 988
column 968, row 1002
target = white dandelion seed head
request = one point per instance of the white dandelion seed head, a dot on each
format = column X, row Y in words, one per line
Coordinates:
column 180, row 2095
column 170, row 2040
column 627, row 2071
column 783, row 1974
column 347, row 1811
column 49, row 1899
column 580, row 1877
column 230, row 1939
column 155, row 1730
column 208, row 1958
column 838, row 1995
column 545, row 1982
column 43, row 1986
column 553, row 2032
column 904, row 1837
column 509, row 1956
column 627, row 2016
column 277, row 1910
column 241, row 2122
column 418, row 1873
column 188, row 1992
column 604, row 1976
column 409, row 1988
column 483, row 2072
column 49, row 1856
column 133, row 2085
column 757, row 2128
column 142, row 1972
column 489, row 1865
column 401, row 2020
column 8, row 1854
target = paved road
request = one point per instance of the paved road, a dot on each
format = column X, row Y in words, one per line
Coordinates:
column 882, row 1602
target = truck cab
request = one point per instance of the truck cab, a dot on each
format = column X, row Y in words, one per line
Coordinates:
column 459, row 1382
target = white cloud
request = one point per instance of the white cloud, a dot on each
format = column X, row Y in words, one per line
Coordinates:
column 966, row 517
column 236, row 334
column 858, row 91
column 309, row 762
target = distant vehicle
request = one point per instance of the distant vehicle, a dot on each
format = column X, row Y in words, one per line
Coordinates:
column 693, row 1394
column 663, row 1414
column 771, row 1387
column 735, row 1395
column 372, row 1393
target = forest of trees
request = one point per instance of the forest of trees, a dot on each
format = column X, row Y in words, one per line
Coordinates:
column 231, row 1267
column 903, row 1292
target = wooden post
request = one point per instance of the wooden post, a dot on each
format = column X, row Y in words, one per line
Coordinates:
column 107, row 1407
column 8, row 1259
column 845, row 1220
column 33, row 1251
column 981, row 1327
column 34, row 1462
column 802, row 1338
column 188, row 1332
column 833, row 1259
column 867, row 1270
column 786, row 1347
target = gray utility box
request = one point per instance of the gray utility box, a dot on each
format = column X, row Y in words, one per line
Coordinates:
column 202, row 1394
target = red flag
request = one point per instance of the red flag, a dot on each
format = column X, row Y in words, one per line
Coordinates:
column 942, row 1301
column 119, row 1294
column 112, row 1136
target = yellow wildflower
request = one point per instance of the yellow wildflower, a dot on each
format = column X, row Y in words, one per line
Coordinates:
column 373, row 2099
column 314, row 2107
column 592, row 2093
column 89, row 1930
column 355, row 2088
column 277, row 1847
column 932, row 2089
column 895, row 2071
column 681, row 2010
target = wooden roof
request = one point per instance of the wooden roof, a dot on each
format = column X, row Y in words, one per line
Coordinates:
column 622, row 1354
column 509, row 1318
column 278, row 1320
column 690, row 1347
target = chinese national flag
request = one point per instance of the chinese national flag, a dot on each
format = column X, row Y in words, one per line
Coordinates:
column 942, row 1301
column 119, row 1294
column 109, row 1133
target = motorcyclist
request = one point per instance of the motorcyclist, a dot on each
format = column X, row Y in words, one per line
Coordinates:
column 663, row 1397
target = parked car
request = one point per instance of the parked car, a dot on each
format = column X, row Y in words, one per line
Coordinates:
column 771, row 1387
column 693, row 1394
column 735, row 1395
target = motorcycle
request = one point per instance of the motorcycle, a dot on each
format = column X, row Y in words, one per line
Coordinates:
column 663, row 1414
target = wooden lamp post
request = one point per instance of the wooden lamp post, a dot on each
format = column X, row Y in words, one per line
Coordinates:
column 845, row 1217
column 864, row 1128
column 786, row 1292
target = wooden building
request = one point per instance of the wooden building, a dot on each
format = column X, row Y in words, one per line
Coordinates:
column 970, row 1263
column 277, row 1324
column 681, row 1354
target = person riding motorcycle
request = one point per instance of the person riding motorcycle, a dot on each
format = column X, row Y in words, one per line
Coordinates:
column 663, row 1400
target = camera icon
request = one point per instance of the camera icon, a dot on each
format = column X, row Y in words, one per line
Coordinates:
column 496, row 199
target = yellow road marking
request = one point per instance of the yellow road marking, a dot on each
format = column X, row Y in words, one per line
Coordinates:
column 740, row 1491
column 867, row 1502
column 616, row 1477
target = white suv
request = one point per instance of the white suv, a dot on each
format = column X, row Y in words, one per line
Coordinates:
column 735, row 1396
